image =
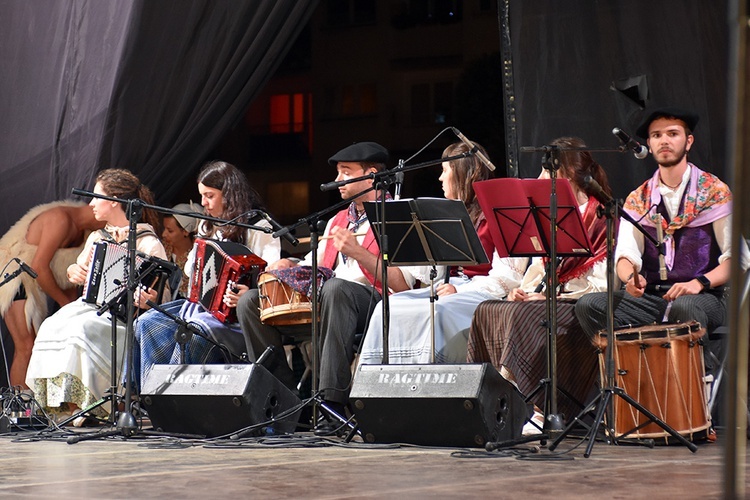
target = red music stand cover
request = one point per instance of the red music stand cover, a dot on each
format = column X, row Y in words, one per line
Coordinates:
column 518, row 214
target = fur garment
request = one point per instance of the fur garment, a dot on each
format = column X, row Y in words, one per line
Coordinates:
column 13, row 244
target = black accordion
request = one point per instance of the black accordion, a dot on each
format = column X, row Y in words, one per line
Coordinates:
column 217, row 265
column 108, row 273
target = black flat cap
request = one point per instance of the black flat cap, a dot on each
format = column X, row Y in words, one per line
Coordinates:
column 690, row 119
column 370, row 152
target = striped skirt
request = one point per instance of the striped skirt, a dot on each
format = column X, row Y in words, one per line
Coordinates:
column 511, row 336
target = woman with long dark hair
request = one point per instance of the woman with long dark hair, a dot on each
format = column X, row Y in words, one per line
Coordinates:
column 225, row 194
column 510, row 334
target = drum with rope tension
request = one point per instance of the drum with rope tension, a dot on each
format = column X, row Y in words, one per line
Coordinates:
column 660, row 366
column 280, row 304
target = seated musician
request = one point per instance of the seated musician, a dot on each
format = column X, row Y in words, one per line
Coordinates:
column 178, row 237
column 225, row 194
column 511, row 335
column 70, row 365
column 696, row 212
column 410, row 333
column 345, row 300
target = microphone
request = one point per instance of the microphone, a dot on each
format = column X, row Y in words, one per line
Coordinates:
column 595, row 189
column 639, row 150
column 474, row 149
column 330, row 186
column 660, row 239
column 26, row 268
column 279, row 229
column 399, row 180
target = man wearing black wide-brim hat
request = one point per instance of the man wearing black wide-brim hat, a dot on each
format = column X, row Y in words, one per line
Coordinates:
column 693, row 208
column 350, row 250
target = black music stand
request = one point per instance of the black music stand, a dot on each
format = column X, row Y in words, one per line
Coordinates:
column 427, row 231
column 535, row 218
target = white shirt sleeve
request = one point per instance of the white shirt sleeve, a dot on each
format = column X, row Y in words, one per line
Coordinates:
column 505, row 275
column 264, row 245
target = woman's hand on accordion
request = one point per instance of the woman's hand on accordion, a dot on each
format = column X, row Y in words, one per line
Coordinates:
column 77, row 274
column 144, row 294
column 233, row 294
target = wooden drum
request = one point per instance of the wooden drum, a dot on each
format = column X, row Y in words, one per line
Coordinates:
column 280, row 304
column 661, row 367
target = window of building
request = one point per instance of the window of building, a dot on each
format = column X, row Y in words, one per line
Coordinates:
column 288, row 200
column 289, row 113
column 421, row 111
column 414, row 13
column 292, row 114
column 431, row 103
column 341, row 13
column 350, row 101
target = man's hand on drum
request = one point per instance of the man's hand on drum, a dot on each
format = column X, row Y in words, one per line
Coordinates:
column 692, row 287
column 144, row 294
column 233, row 293
column 281, row 264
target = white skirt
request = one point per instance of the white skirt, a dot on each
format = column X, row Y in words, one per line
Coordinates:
column 409, row 333
column 72, row 357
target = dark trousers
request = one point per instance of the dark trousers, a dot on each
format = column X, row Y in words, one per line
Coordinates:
column 708, row 309
column 345, row 308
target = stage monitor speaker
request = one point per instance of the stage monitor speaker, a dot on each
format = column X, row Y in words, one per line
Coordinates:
column 216, row 400
column 462, row 405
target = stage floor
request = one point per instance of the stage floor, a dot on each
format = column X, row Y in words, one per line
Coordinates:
column 308, row 467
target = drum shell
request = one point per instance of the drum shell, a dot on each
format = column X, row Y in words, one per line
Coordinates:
column 662, row 368
column 281, row 305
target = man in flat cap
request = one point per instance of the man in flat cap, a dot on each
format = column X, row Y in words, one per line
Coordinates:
column 694, row 210
column 347, row 299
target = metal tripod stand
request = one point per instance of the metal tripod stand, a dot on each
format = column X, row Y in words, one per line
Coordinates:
column 610, row 210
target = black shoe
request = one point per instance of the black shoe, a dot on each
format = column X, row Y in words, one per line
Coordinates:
column 326, row 428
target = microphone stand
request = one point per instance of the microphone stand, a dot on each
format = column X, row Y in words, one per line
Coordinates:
column 170, row 211
column 114, row 306
column 316, row 223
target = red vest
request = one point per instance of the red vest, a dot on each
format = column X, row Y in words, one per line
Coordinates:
column 331, row 254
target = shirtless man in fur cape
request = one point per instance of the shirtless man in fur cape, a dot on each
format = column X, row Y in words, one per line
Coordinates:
column 48, row 238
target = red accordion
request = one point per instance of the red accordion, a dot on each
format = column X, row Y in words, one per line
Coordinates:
column 218, row 265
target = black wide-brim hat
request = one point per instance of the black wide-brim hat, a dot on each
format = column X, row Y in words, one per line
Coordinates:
column 690, row 119
column 365, row 152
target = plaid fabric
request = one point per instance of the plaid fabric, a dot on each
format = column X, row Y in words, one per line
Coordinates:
column 510, row 335
column 155, row 334
column 154, row 339
column 299, row 278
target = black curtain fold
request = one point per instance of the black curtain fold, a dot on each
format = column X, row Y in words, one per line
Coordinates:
column 183, row 86
column 568, row 58
column 148, row 86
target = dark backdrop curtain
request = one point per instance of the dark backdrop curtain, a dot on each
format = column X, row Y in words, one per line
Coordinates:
column 148, row 86
column 582, row 67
